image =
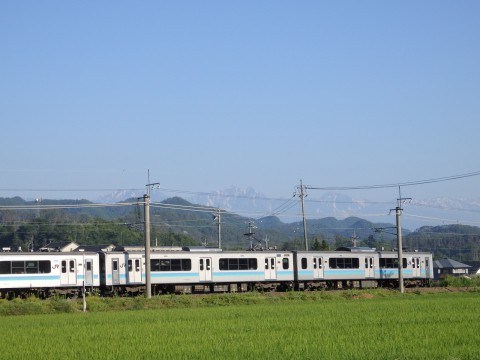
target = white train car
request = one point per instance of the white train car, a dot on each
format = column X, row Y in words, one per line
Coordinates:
column 417, row 268
column 360, row 267
column 262, row 269
column 45, row 273
column 121, row 268
column 194, row 270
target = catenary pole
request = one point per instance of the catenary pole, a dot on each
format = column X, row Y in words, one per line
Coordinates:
column 401, row 287
column 302, row 197
column 148, row 281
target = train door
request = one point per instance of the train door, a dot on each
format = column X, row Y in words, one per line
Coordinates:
column 318, row 268
column 69, row 272
column 205, row 269
column 270, row 269
column 369, row 268
column 416, row 271
column 427, row 268
column 115, row 272
column 134, row 271
column 88, row 272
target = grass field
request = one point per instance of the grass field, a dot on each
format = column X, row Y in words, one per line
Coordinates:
column 298, row 326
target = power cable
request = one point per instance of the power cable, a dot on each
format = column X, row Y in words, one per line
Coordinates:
column 408, row 183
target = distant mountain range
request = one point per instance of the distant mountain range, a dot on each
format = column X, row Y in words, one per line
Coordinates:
column 178, row 220
column 251, row 204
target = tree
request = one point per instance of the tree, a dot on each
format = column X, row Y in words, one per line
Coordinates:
column 324, row 246
column 316, row 244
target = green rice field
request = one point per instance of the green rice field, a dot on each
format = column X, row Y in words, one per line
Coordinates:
column 299, row 326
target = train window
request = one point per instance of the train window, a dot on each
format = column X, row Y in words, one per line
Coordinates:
column 25, row 267
column 285, row 264
column 201, row 264
column 314, row 263
column 18, row 267
column 391, row 263
column 170, row 265
column 137, row 265
column 5, row 267
column 130, row 265
column 239, row 264
column 176, row 265
column 72, row 266
column 304, row 263
column 344, row 263
column 31, row 267
column 64, row 266
column 44, row 267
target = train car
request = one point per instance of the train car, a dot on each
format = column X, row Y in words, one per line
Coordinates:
column 332, row 269
column 122, row 271
column 359, row 267
column 263, row 270
column 417, row 268
column 45, row 273
column 195, row 270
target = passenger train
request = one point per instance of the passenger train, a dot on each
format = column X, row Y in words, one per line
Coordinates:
column 200, row 270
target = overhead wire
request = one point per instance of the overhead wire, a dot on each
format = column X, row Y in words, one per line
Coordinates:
column 401, row 184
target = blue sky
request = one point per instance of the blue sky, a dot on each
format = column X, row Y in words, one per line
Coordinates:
column 210, row 94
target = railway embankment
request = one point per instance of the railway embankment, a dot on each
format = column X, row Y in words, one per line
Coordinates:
column 35, row 306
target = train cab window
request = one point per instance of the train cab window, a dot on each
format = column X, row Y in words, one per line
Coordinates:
column 285, row 264
column 304, row 263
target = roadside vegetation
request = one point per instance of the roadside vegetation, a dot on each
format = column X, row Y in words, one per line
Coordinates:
column 95, row 303
column 374, row 324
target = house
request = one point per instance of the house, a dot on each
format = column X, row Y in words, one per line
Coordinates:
column 96, row 248
column 475, row 270
column 444, row 267
column 64, row 246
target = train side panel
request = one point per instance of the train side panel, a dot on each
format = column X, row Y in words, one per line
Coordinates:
column 48, row 270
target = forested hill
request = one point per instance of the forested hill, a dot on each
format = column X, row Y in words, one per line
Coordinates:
column 178, row 222
column 459, row 242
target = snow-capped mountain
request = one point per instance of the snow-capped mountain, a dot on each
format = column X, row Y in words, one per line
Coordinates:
column 250, row 203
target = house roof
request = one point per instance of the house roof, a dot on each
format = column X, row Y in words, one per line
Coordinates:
column 96, row 248
column 58, row 246
column 474, row 264
column 449, row 264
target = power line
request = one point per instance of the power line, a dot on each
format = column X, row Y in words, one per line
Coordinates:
column 408, row 183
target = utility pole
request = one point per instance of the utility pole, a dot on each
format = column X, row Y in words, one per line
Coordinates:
column 303, row 194
column 250, row 234
column 148, row 281
column 217, row 219
column 146, row 209
column 398, row 212
column 354, row 239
